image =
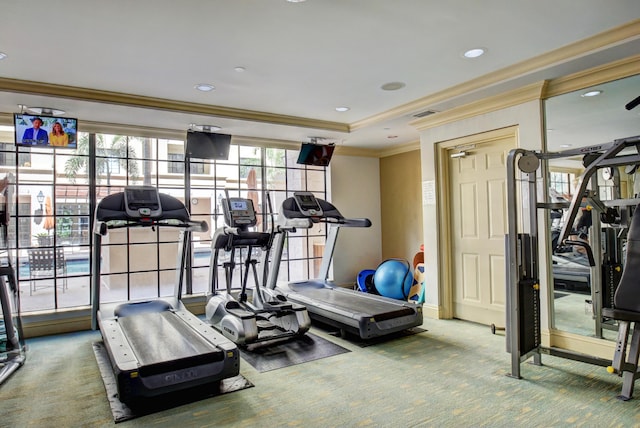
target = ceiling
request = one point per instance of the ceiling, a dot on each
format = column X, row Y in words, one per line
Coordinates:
column 299, row 61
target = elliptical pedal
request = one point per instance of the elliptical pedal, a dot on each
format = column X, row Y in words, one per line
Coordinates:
column 275, row 305
column 264, row 325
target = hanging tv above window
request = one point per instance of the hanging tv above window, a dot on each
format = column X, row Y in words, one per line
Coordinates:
column 315, row 154
column 45, row 131
column 207, row 145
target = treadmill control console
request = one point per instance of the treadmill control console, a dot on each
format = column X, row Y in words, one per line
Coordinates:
column 308, row 204
column 239, row 212
column 142, row 202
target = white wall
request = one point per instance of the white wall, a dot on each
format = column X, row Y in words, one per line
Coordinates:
column 355, row 191
column 528, row 118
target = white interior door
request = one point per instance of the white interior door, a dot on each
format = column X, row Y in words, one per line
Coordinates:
column 478, row 226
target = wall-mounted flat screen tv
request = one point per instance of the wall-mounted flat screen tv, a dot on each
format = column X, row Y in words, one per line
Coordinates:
column 207, row 145
column 45, row 131
column 315, row 154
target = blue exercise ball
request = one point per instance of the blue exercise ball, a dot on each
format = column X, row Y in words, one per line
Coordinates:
column 393, row 279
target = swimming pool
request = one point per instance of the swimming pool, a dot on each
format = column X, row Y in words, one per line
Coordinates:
column 80, row 265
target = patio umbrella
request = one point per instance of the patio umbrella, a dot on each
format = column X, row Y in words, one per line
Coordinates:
column 252, row 183
column 49, row 221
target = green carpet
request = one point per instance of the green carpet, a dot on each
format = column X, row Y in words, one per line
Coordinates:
column 363, row 343
column 453, row 375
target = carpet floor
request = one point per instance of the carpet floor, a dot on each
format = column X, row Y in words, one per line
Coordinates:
column 452, row 375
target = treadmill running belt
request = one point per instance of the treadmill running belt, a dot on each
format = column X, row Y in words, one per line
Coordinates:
column 161, row 337
column 357, row 303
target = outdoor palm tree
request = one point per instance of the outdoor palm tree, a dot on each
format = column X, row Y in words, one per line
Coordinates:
column 118, row 150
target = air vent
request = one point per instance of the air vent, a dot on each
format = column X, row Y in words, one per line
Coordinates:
column 425, row 113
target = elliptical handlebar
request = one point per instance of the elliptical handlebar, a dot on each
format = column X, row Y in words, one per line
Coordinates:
column 231, row 230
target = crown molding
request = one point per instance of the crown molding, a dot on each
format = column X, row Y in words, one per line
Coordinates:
column 594, row 76
column 619, row 69
column 355, row 151
column 617, row 35
column 118, row 98
column 396, row 150
column 169, row 134
column 497, row 102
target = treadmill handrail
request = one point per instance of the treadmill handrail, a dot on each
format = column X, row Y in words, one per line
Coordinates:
column 342, row 222
column 192, row 226
column 353, row 222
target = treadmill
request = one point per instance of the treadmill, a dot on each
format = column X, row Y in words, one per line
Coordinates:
column 364, row 314
column 155, row 346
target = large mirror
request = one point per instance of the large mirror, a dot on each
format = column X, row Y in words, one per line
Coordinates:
column 585, row 118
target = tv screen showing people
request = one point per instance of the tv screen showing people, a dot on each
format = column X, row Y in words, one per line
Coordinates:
column 45, row 131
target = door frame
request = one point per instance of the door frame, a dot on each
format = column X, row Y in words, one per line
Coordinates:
column 445, row 220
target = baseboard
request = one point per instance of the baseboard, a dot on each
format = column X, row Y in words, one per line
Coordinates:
column 36, row 324
column 600, row 348
column 432, row 311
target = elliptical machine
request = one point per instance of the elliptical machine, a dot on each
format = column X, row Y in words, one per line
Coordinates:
column 268, row 316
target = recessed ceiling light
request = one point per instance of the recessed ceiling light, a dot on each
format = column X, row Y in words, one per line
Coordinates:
column 239, row 69
column 392, row 86
column 295, row 1
column 45, row 110
column 474, row 53
column 342, row 109
column 3, row 55
column 392, row 136
column 566, row 146
column 594, row 93
column 204, row 87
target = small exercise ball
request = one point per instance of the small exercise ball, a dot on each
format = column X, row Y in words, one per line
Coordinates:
column 393, row 279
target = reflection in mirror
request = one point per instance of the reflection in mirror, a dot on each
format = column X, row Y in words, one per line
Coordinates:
column 576, row 120
column 585, row 118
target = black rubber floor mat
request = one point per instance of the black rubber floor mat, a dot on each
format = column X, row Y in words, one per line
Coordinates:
column 294, row 351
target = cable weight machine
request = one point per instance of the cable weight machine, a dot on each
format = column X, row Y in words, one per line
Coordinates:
column 523, row 323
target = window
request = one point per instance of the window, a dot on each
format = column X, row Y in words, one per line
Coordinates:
column 142, row 263
column 24, row 227
column 110, row 165
column 176, row 164
column 8, row 155
column 561, row 182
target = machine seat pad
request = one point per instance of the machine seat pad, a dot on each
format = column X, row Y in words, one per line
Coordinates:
column 621, row 314
column 135, row 308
